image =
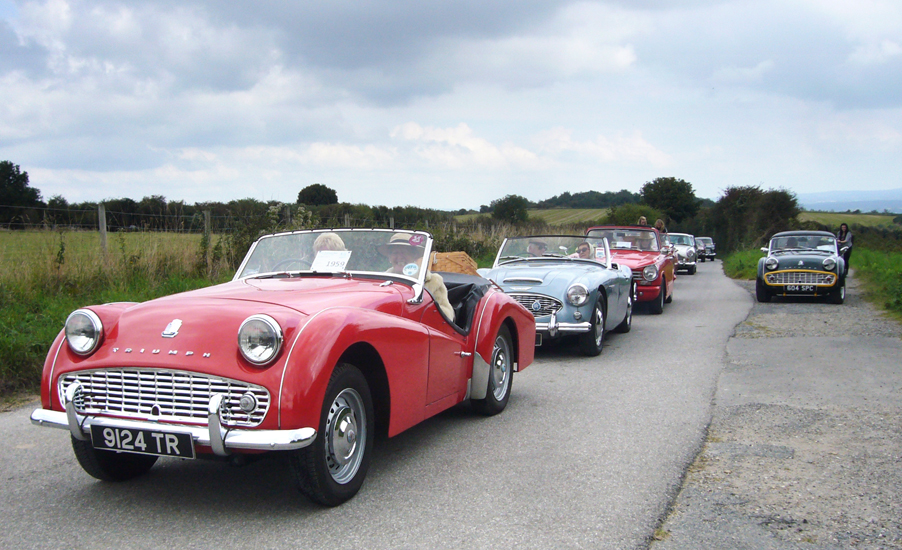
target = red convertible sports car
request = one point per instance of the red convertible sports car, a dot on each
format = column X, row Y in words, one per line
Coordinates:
column 642, row 249
column 321, row 338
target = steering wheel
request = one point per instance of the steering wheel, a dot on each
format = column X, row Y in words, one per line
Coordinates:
column 304, row 264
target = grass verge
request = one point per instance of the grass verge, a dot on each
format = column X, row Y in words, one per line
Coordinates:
column 879, row 271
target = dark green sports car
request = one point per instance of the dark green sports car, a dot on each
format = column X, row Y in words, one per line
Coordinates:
column 802, row 263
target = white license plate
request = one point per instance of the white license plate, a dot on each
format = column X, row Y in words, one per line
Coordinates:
column 145, row 442
column 800, row 288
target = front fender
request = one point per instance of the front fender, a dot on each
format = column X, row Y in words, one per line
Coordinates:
column 402, row 346
column 499, row 308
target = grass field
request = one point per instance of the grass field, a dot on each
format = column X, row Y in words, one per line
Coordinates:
column 553, row 216
column 45, row 275
column 833, row 219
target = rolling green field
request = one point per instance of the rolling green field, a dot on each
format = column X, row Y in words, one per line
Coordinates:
column 553, row 216
column 833, row 219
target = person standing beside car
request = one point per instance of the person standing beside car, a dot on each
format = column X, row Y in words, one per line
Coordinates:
column 844, row 236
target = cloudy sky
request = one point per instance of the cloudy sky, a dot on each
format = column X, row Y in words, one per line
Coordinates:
column 448, row 104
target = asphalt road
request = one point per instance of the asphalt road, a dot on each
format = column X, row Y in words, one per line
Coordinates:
column 590, row 453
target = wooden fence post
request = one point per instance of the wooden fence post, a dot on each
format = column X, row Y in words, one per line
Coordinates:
column 208, row 237
column 101, row 222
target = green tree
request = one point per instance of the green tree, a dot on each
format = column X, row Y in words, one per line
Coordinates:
column 628, row 214
column 511, row 208
column 16, row 196
column 747, row 216
column 672, row 196
column 317, row 195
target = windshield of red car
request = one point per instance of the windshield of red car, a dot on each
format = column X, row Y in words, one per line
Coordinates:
column 628, row 239
column 340, row 251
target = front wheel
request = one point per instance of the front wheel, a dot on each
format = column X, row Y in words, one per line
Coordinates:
column 110, row 465
column 657, row 307
column 591, row 343
column 627, row 322
column 692, row 270
column 838, row 296
column 332, row 469
column 501, row 376
column 761, row 292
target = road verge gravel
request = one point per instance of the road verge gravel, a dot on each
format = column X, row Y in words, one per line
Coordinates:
column 804, row 450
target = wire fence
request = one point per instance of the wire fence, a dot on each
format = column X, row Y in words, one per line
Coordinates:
column 192, row 221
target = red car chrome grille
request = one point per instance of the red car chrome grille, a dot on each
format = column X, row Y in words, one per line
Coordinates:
column 167, row 395
column 538, row 304
column 801, row 278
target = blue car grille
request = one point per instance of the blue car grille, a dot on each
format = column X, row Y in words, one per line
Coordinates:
column 801, row 278
column 168, row 395
column 538, row 304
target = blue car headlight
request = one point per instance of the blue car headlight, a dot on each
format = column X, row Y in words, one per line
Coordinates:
column 577, row 294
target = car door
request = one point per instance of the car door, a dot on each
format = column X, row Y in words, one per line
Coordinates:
column 447, row 359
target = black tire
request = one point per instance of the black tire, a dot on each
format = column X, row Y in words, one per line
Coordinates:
column 627, row 322
column 692, row 270
column 110, row 465
column 501, row 376
column 592, row 342
column 838, row 296
column 761, row 293
column 657, row 307
column 332, row 469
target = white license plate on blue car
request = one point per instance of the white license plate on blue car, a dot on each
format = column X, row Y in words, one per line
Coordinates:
column 145, row 442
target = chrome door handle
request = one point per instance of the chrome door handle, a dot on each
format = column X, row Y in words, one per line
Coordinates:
column 463, row 353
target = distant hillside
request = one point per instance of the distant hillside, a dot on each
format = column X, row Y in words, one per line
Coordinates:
column 553, row 216
column 589, row 199
column 833, row 219
column 889, row 200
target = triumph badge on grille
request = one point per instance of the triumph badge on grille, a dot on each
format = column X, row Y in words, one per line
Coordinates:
column 172, row 329
column 536, row 306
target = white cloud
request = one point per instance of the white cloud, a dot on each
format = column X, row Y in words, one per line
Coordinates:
column 629, row 149
column 459, row 148
column 744, row 75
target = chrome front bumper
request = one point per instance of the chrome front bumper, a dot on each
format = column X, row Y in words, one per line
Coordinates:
column 553, row 327
column 214, row 435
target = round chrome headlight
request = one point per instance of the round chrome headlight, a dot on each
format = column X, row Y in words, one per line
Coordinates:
column 690, row 254
column 650, row 272
column 83, row 331
column 577, row 294
column 829, row 264
column 260, row 339
column 771, row 263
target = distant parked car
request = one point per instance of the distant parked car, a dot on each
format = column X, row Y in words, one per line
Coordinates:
column 685, row 251
column 321, row 338
column 642, row 249
column 802, row 263
column 570, row 284
column 706, row 249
